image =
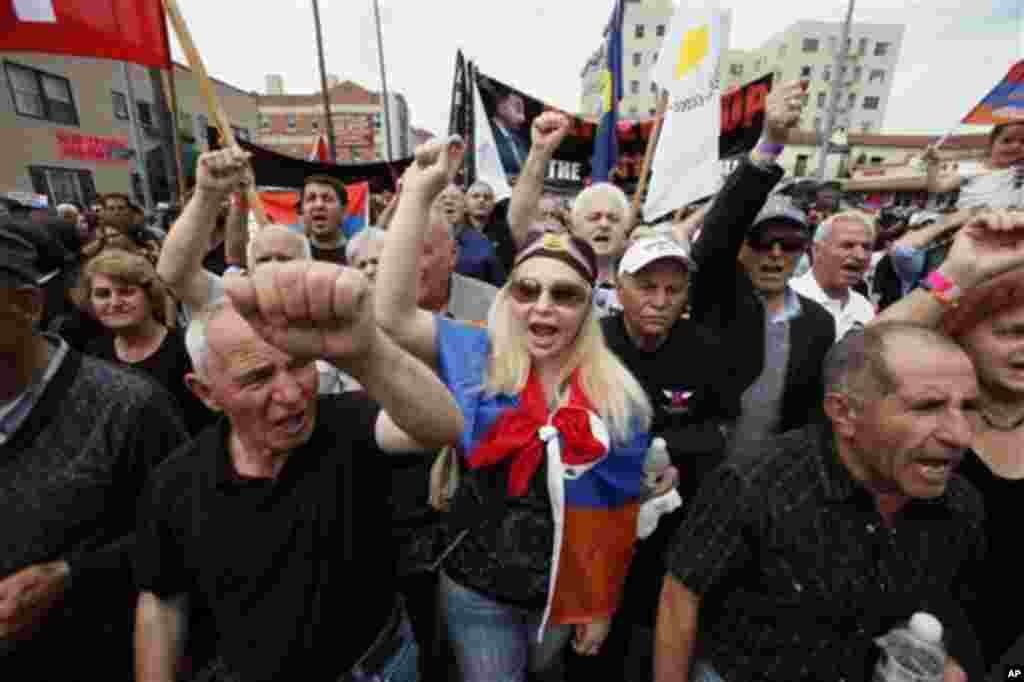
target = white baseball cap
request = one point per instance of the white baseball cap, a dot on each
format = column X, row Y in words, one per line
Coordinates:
column 645, row 251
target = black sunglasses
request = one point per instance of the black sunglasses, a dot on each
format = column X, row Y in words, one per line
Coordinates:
column 563, row 294
column 766, row 242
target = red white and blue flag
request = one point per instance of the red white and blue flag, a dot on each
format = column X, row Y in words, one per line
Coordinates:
column 1004, row 104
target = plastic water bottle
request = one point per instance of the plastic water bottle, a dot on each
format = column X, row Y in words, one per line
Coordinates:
column 656, row 462
column 912, row 654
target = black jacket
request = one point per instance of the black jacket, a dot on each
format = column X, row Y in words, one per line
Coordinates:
column 723, row 299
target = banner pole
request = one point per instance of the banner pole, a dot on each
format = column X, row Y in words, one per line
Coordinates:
column 217, row 114
column 652, row 142
column 172, row 95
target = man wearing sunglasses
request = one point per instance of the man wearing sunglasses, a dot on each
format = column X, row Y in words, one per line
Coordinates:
column 749, row 246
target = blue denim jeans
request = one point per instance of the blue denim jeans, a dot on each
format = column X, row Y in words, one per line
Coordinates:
column 495, row 642
column 703, row 672
column 403, row 665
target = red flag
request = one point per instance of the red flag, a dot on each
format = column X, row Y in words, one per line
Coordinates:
column 123, row 30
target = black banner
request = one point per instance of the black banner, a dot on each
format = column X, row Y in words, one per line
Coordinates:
column 569, row 170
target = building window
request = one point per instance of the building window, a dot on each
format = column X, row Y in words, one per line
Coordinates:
column 654, row 58
column 857, row 73
column 862, row 48
column 355, row 154
column 832, row 42
column 810, row 45
column 144, row 110
column 63, row 185
column 41, row 95
column 654, row 87
column 120, row 105
column 639, row 31
column 264, row 122
column 882, row 49
column 817, row 123
column 292, row 124
column 782, row 50
column 800, row 169
column 632, row 111
column 660, row 31
column 865, row 127
column 852, row 101
column 876, row 160
column 877, row 75
column 736, row 69
column 638, row 58
column 805, row 71
column 871, row 103
column 826, row 73
column 822, row 99
column 634, row 87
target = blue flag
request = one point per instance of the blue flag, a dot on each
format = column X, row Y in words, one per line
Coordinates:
column 606, row 144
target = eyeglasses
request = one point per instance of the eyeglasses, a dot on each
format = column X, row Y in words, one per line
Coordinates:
column 766, row 242
column 562, row 294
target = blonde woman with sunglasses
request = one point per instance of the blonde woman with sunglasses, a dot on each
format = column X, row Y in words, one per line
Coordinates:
column 544, row 520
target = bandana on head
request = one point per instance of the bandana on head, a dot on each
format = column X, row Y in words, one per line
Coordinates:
column 575, row 253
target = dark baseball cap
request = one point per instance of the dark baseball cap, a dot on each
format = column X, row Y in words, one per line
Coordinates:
column 779, row 208
column 30, row 253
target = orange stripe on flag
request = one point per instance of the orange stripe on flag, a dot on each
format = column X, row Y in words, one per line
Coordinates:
column 597, row 548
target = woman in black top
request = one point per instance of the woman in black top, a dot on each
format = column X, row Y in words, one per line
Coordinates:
column 122, row 291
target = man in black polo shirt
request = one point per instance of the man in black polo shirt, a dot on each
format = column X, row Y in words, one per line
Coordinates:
column 277, row 521
column 677, row 363
column 793, row 560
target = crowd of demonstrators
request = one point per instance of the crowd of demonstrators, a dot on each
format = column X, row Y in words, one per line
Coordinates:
column 529, row 435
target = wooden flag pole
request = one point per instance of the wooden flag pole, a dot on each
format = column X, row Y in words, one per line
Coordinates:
column 652, row 142
column 217, row 114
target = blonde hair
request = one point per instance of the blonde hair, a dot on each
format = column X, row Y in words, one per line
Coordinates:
column 615, row 394
column 133, row 269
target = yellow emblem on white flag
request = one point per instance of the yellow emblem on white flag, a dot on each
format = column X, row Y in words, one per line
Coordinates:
column 696, row 46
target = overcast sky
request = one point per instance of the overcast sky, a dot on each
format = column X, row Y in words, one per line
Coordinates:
column 953, row 52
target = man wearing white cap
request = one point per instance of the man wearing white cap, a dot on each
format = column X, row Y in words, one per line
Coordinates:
column 674, row 359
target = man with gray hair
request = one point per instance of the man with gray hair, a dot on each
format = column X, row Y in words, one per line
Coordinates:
column 363, row 251
column 841, row 255
column 790, row 563
column 277, row 520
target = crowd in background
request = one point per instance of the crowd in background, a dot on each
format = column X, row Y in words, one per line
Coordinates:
column 526, row 439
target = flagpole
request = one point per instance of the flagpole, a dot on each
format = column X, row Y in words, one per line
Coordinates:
column 140, row 160
column 383, row 80
column 652, row 142
column 172, row 94
column 217, row 114
column 332, row 154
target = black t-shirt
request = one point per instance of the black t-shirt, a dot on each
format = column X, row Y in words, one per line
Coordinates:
column 297, row 571
column 996, row 587
column 500, row 234
column 689, row 391
column 216, row 260
column 168, row 366
column 336, row 256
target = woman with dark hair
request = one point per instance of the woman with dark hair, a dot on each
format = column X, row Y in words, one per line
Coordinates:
column 1000, row 185
column 121, row 290
column 544, row 520
column 986, row 264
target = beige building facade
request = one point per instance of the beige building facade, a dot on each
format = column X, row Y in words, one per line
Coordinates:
column 66, row 132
